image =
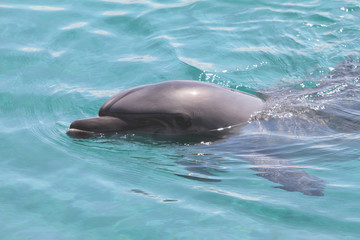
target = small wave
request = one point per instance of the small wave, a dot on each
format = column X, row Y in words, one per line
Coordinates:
column 6, row 6
column 153, row 4
column 146, row 58
column 65, row 89
column 101, row 32
column 74, row 25
column 36, row 8
column 31, row 49
column 46, row 8
column 114, row 13
column 228, row 193
column 197, row 64
column 58, row 53
column 227, row 29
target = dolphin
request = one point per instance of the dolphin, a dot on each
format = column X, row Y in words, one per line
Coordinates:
column 185, row 107
column 176, row 107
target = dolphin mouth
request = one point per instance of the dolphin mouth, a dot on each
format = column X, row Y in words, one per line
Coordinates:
column 73, row 132
column 138, row 122
column 94, row 126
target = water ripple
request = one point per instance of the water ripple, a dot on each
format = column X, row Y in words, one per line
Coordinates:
column 60, row 62
column 138, row 59
column 74, row 25
column 36, row 8
column 46, row 8
column 114, row 13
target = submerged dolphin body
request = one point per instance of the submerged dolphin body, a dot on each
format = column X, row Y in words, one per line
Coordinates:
column 172, row 107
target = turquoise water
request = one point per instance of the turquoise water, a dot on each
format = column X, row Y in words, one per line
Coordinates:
column 60, row 60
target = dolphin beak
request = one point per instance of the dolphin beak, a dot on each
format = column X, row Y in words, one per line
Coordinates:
column 91, row 126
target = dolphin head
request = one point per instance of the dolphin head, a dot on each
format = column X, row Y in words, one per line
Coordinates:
column 173, row 107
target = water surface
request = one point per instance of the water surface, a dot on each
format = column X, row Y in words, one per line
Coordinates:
column 60, row 60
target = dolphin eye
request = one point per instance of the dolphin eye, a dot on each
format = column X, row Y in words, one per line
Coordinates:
column 183, row 122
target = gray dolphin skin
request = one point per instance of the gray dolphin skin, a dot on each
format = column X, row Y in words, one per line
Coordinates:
column 172, row 107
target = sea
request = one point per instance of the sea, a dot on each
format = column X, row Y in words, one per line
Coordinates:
column 292, row 172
